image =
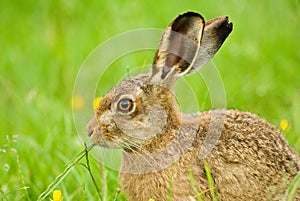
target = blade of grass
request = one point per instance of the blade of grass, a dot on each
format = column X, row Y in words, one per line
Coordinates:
column 60, row 177
column 117, row 194
column 90, row 172
column 210, row 181
column 291, row 191
column 192, row 179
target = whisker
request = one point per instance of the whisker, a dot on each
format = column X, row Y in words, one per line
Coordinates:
column 130, row 145
column 144, row 154
column 122, row 147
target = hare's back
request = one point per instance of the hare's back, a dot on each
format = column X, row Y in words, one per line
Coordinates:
column 245, row 137
column 246, row 154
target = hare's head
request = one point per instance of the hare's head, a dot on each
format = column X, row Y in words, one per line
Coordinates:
column 143, row 108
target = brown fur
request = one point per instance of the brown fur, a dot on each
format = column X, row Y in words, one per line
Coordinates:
column 251, row 161
column 164, row 150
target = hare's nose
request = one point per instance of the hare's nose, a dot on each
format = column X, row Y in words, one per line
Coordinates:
column 91, row 125
column 89, row 129
column 90, row 132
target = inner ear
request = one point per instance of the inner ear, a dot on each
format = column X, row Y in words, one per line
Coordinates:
column 179, row 46
column 185, row 23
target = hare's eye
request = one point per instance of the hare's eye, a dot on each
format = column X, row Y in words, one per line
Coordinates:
column 125, row 105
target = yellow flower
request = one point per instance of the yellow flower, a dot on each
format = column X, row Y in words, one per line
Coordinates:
column 96, row 102
column 57, row 195
column 285, row 125
column 77, row 103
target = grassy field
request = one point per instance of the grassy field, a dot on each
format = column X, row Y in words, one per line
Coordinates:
column 44, row 43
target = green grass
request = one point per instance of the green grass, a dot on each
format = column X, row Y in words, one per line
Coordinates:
column 210, row 182
column 291, row 191
column 44, row 43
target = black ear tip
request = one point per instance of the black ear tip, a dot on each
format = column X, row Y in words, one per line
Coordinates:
column 222, row 23
column 191, row 14
column 230, row 25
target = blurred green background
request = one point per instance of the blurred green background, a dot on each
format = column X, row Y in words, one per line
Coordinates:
column 44, row 43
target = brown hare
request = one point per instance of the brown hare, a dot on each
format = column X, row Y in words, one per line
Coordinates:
column 164, row 151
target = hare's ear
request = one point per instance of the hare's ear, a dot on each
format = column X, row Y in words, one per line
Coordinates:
column 215, row 33
column 178, row 49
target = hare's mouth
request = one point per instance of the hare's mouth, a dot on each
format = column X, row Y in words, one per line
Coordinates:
column 101, row 137
column 97, row 138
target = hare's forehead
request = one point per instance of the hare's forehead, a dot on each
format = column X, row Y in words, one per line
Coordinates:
column 127, row 88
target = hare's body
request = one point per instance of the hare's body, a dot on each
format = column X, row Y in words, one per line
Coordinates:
column 165, row 151
column 246, row 164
